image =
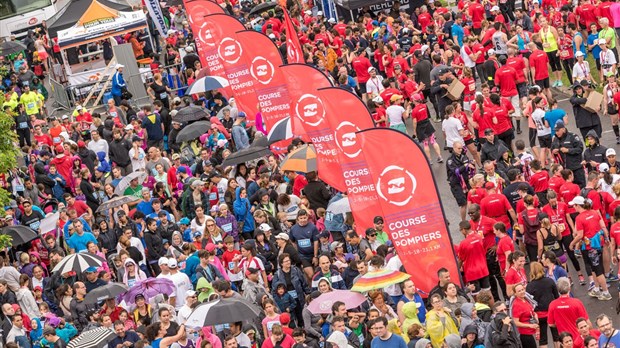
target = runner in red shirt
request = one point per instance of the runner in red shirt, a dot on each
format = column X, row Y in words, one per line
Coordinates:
column 565, row 310
column 586, row 14
column 539, row 181
column 477, row 14
column 477, row 192
column 483, row 225
column 556, row 181
column 505, row 246
column 506, row 79
column 590, row 229
column 515, row 273
column 472, row 254
column 496, row 205
column 424, row 18
column 538, row 64
column 569, row 190
column 360, row 65
column 380, row 116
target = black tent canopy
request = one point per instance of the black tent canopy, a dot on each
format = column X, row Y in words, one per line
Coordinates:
column 70, row 14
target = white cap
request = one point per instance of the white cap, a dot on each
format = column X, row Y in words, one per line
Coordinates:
column 603, row 167
column 491, row 52
column 424, row 48
column 128, row 127
column 272, row 36
column 79, row 107
column 171, row 31
column 377, row 99
column 189, row 49
column 610, row 152
column 319, row 13
column 494, row 8
column 265, row 227
column 118, row 66
column 282, row 236
column 172, row 262
column 65, row 117
column 578, row 200
column 308, row 12
column 331, row 20
column 602, row 41
column 579, row 54
column 163, row 261
column 190, row 293
column 371, row 69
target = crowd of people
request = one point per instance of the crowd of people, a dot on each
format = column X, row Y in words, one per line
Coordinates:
column 530, row 211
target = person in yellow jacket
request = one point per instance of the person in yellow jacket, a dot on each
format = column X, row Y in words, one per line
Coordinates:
column 440, row 322
column 33, row 102
column 326, row 54
column 11, row 98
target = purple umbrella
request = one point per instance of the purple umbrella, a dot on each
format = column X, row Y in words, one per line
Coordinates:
column 323, row 304
column 149, row 287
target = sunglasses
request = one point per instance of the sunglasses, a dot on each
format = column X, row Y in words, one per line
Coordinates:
column 372, row 235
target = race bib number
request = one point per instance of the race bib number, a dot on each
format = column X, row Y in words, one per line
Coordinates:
column 163, row 95
column 303, row 243
column 231, row 265
column 56, row 140
column 23, row 125
column 293, row 294
column 30, row 105
column 35, row 225
column 564, row 53
column 19, row 187
column 227, row 227
column 212, row 196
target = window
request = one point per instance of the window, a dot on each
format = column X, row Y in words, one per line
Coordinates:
column 10, row 8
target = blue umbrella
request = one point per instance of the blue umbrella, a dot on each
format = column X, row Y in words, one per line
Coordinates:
column 207, row 83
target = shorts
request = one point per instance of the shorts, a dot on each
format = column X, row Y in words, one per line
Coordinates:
column 399, row 127
column 306, row 262
column 554, row 61
column 543, row 84
column 532, row 136
column 482, row 283
column 429, row 141
column 594, row 258
column 469, row 141
column 362, row 87
column 459, row 195
column 467, row 105
column 516, row 104
column 598, row 64
column 545, row 141
column 424, row 130
column 522, row 89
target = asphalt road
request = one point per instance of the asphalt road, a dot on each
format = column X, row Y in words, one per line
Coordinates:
column 451, row 209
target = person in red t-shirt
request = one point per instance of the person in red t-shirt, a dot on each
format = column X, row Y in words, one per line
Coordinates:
column 360, row 65
column 515, row 273
column 380, row 116
column 496, row 205
column 556, row 181
column 539, row 181
column 565, row 310
column 473, row 258
column 505, row 247
column 477, row 14
column 477, row 192
column 569, row 190
column 538, row 65
column 524, row 316
column 299, row 182
column 590, row 229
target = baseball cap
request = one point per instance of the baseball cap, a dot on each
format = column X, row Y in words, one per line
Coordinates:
column 424, row 48
column 494, row 8
column 578, row 200
column 579, row 54
column 172, row 262
column 66, row 117
column 334, row 245
column 184, row 221
column 603, row 167
column 163, row 261
column 489, row 185
column 396, row 97
column 371, row 69
column 81, row 143
column 90, row 270
column 488, row 131
column 241, row 114
column 190, row 293
column 324, row 234
column 610, row 152
column 378, row 220
column 602, row 41
column 491, row 52
column 377, row 99
column 282, row 236
column 251, row 270
column 182, row 170
column 118, row 66
column 129, row 127
column 559, row 125
column 285, row 318
column 331, row 20
column 265, row 227
column 59, row 149
column 197, row 183
column 176, row 156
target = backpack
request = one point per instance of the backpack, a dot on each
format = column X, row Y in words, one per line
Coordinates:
column 530, row 228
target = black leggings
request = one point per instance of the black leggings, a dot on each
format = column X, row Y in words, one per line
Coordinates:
column 532, row 252
column 568, row 67
column 544, row 335
column 566, row 240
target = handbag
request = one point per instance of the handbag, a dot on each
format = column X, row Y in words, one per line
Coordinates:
column 125, row 94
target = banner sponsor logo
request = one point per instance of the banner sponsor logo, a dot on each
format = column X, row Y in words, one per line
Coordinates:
column 396, row 185
column 346, row 139
column 230, row 50
column 205, row 35
column 262, row 70
column 310, row 110
column 157, row 16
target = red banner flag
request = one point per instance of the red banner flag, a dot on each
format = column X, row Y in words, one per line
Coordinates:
column 263, row 59
column 302, row 79
column 294, row 52
column 346, row 115
column 223, row 54
column 409, row 199
column 196, row 11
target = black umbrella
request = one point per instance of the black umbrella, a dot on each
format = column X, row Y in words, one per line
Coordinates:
column 105, row 292
column 281, row 130
column 265, row 6
column 20, row 234
column 258, row 149
column 11, row 47
column 95, row 338
column 193, row 131
column 191, row 113
column 222, row 311
column 78, row 263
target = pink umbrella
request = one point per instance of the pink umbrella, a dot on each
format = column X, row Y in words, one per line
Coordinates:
column 149, row 287
column 323, row 304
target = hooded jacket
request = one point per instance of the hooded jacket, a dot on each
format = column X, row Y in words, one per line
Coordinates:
column 594, row 152
column 88, row 157
column 492, row 152
column 104, row 166
column 140, row 275
column 572, row 159
column 59, row 186
column 583, row 117
column 467, row 320
column 242, row 208
column 42, row 178
column 119, row 152
column 298, row 279
column 410, row 310
column 498, row 335
column 228, row 224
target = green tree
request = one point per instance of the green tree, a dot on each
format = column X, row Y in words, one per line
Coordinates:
column 9, row 148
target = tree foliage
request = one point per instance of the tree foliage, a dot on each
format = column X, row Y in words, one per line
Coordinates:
column 9, row 147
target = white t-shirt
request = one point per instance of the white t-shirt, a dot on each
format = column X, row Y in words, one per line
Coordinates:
column 256, row 263
column 607, row 58
column 538, row 116
column 451, row 126
column 395, row 114
column 292, row 208
column 608, row 188
column 374, row 85
column 183, row 284
column 140, row 163
column 581, row 70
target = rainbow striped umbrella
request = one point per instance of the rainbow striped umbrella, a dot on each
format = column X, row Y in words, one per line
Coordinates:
column 379, row 279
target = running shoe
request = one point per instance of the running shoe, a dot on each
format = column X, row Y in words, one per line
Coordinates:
column 618, row 140
column 560, row 84
column 592, row 286
column 604, row 296
column 577, row 252
column 582, row 280
column 440, row 160
column 612, row 277
column 595, row 293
